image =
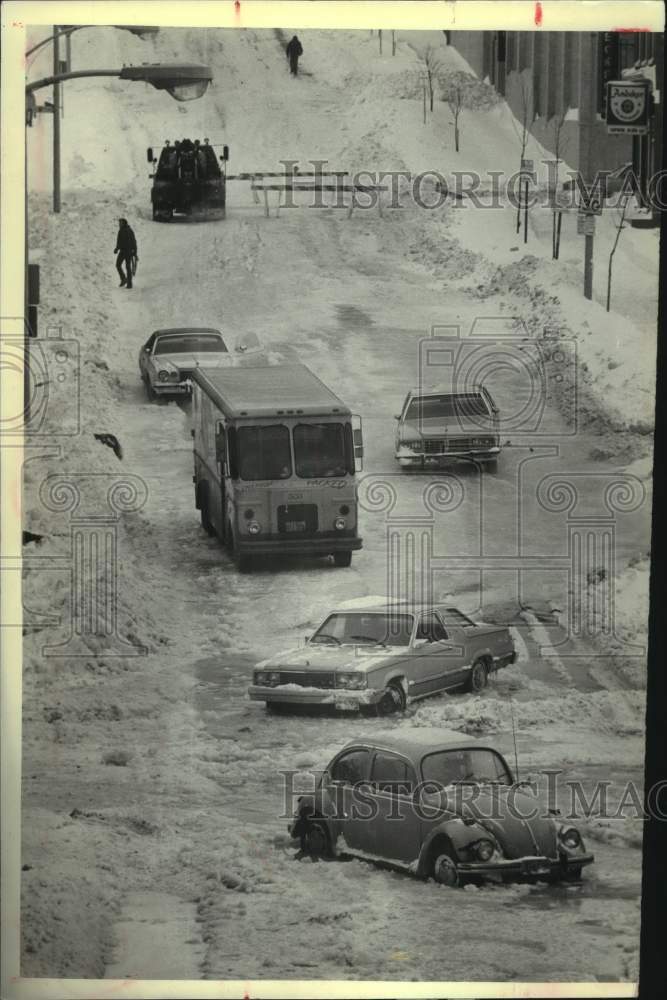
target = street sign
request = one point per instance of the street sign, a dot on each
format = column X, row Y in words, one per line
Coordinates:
column 585, row 224
column 627, row 107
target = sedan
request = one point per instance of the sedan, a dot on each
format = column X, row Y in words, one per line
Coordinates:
column 438, row 804
column 447, row 425
column 168, row 358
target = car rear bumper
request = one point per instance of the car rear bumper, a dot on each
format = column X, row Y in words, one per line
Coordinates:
column 171, row 388
column 425, row 461
column 298, row 546
column 289, row 694
column 526, row 867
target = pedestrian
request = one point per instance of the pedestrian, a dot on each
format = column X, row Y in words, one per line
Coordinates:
column 294, row 50
column 126, row 248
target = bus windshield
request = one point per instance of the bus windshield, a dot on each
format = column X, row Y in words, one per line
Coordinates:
column 319, row 450
column 264, row 452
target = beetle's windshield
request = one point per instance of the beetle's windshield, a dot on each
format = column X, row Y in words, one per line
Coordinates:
column 199, row 343
column 450, row 767
column 447, row 405
column 355, row 628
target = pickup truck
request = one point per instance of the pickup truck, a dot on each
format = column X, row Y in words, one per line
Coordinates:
column 378, row 658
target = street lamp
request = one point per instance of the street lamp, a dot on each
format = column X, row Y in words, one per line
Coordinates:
column 66, row 31
column 140, row 30
column 185, row 82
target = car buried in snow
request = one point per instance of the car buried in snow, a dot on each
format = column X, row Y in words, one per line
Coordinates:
column 440, row 426
column 441, row 805
column 169, row 357
column 378, row 658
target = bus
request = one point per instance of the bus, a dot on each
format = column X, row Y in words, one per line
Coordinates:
column 276, row 454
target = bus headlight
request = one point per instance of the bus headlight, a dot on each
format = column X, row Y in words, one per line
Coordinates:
column 339, row 524
column 254, row 527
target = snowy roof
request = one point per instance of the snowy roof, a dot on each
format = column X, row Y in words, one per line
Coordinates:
column 189, row 329
column 414, row 741
column 379, row 605
column 273, row 390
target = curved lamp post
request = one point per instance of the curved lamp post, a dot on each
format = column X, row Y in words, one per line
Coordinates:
column 184, row 81
column 65, row 30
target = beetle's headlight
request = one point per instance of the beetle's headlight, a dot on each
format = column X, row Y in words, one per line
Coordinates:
column 339, row 524
column 483, row 849
column 254, row 527
column 351, row 680
column 570, row 836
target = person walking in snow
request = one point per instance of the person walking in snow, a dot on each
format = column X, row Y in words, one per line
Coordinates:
column 126, row 248
column 294, row 50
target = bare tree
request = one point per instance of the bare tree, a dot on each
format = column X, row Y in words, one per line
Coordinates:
column 432, row 68
column 559, row 143
column 624, row 207
column 521, row 127
column 455, row 101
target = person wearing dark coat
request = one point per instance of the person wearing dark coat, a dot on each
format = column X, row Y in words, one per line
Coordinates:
column 294, row 50
column 126, row 248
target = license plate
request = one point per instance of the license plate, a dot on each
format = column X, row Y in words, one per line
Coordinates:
column 295, row 525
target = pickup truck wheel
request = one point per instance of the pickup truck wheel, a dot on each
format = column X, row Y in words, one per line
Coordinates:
column 342, row 558
column 445, row 870
column 393, row 700
column 316, row 839
column 478, row 678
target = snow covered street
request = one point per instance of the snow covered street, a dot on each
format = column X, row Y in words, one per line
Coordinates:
column 151, row 783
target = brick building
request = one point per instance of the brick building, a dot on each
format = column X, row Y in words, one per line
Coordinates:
column 563, row 73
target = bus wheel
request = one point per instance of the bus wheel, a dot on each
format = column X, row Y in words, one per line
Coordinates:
column 243, row 563
column 203, row 510
column 342, row 558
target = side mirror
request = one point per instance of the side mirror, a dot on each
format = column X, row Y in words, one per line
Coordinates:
column 225, row 152
column 357, row 442
column 149, row 154
column 220, row 447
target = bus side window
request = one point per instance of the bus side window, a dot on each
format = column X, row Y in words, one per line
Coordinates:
column 220, row 443
column 232, row 453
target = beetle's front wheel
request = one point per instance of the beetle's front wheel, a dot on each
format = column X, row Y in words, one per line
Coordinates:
column 445, row 870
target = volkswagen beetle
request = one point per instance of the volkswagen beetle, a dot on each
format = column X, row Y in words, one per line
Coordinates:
column 439, row 804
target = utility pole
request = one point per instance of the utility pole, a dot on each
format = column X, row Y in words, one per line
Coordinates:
column 588, row 88
column 56, row 121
